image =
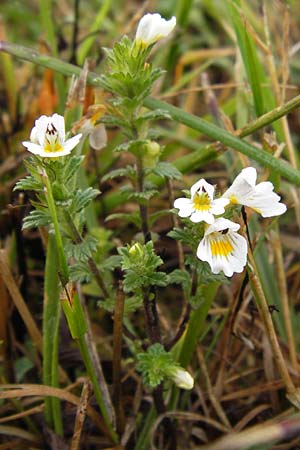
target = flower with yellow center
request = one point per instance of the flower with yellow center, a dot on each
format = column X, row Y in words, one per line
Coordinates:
column 260, row 197
column 152, row 28
column 202, row 206
column 48, row 138
column 223, row 248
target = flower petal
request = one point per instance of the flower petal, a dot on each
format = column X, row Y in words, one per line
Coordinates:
column 72, row 142
column 59, row 123
column 32, row 147
column 202, row 216
column 201, row 186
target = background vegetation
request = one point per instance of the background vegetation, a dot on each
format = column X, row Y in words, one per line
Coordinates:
column 236, row 65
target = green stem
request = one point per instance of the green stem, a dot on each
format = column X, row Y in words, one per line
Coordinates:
column 51, row 315
column 63, row 266
column 98, row 394
column 226, row 138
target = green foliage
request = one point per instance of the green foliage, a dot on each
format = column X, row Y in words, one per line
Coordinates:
column 190, row 235
column 82, row 198
column 166, row 169
column 140, row 264
column 83, row 250
column 80, row 272
column 133, row 217
column 181, row 277
column 127, row 171
column 155, row 365
column 71, row 167
column 129, row 78
column 29, row 183
column 37, row 218
column 140, row 197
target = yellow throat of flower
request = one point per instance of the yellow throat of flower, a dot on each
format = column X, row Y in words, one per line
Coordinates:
column 52, row 147
column 52, row 144
column 221, row 247
column 202, row 201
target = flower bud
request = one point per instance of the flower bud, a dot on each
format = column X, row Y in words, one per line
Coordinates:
column 152, row 152
column 183, row 379
column 152, row 28
column 135, row 250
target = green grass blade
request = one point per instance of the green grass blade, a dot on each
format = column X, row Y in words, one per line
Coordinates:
column 51, row 316
column 253, row 67
column 218, row 134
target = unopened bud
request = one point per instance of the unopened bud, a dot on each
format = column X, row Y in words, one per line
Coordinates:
column 183, row 379
column 136, row 249
column 152, row 153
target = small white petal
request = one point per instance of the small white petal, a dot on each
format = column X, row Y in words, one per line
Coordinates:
column 59, row 123
column 218, row 206
column 201, row 186
column 185, row 206
column 33, row 148
column 41, row 125
column 202, row 216
column 72, row 142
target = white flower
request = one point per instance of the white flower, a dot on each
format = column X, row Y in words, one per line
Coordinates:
column 260, row 197
column 223, row 248
column 47, row 138
column 152, row 28
column 201, row 206
column 183, row 379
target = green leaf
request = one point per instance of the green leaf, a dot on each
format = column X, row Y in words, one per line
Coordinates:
column 141, row 197
column 155, row 365
column 189, row 235
column 80, row 273
column 71, row 166
column 127, row 171
column 134, row 147
column 37, row 218
column 133, row 217
column 82, row 198
column 155, row 216
column 29, row 183
column 83, row 251
column 181, row 277
column 168, row 170
column 111, row 263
